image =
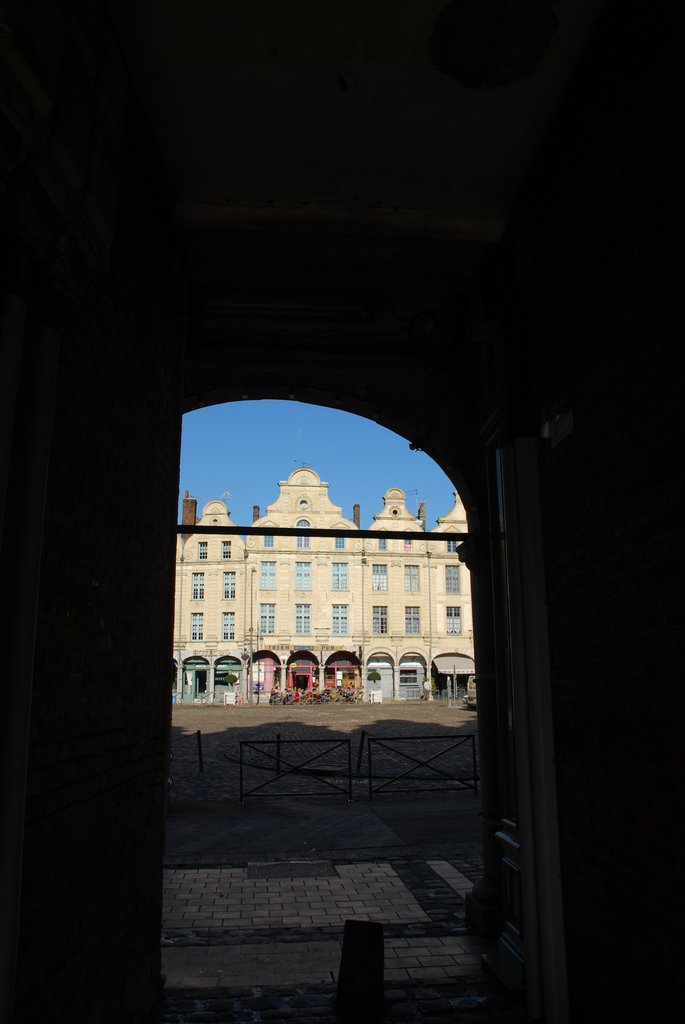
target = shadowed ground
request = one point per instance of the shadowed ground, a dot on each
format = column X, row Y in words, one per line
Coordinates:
column 256, row 895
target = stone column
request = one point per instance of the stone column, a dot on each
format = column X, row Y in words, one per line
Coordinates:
column 484, row 904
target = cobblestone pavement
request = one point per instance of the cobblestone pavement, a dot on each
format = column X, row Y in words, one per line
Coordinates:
column 223, row 728
column 256, row 896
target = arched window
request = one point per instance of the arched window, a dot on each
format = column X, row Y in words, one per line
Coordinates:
column 303, row 542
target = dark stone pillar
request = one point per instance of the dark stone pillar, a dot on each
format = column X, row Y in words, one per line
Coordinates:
column 484, row 902
column 28, row 388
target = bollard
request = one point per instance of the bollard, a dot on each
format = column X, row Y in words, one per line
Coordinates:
column 359, row 996
column 361, row 751
column 199, row 751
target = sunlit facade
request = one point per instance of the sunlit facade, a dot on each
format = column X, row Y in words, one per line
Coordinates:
column 305, row 616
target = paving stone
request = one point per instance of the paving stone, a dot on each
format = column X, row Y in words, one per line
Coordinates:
column 297, row 923
column 433, row 1004
column 261, row 1003
column 318, row 1001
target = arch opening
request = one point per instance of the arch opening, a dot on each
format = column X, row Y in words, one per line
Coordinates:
column 329, row 621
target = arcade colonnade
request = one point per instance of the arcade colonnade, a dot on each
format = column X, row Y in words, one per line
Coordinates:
column 216, row 679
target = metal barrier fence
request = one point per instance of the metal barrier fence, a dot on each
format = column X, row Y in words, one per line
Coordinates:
column 396, row 752
column 271, row 757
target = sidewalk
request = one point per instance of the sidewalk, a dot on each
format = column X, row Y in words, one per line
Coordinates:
column 256, row 897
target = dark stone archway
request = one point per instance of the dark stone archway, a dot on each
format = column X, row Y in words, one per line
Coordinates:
column 526, row 246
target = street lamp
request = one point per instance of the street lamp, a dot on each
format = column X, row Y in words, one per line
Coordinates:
column 251, row 670
column 260, row 674
column 181, row 612
column 245, row 652
column 429, row 555
column 361, row 649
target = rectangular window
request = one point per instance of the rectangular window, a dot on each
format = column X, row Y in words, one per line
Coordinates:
column 340, row 543
column 202, row 550
column 228, row 626
column 453, row 620
column 267, row 619
column 379, row 577
column 340, row 620
column 340, row 576
column 382, row 543
column 412, row 621
column 197, row 629
column 452, row 547
column 452, row 579
column 198, row 591
column 408, row 545
column 229, row 586
column 225, row 550
column 268, row 541
column 303, row 575
column 380, row 619
column 303, row 543
column 303, row 618
column 411, row 578
column 267, row 575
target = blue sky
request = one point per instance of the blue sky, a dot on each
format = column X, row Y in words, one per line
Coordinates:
column 245, row 448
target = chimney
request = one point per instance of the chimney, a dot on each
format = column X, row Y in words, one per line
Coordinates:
column 355, row 515
column 422, row 514
column 189, row 513
column 256, row 514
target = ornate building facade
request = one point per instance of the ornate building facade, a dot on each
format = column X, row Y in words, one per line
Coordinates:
column 379, row 618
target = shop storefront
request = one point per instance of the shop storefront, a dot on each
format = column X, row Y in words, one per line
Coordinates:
column 195, row 679
column 302, row 672
column 342, row 671
column 385, row 667
column 412, row 676
column 451, row 673
column 227, row 676
column 266, row 673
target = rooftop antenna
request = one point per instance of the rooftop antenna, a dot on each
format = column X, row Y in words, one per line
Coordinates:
column 299, row 462
column 416, row 492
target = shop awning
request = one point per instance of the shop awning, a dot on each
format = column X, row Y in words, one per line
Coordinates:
column 447, row 664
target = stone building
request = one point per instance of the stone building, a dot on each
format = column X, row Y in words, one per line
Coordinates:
column 308, row 614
